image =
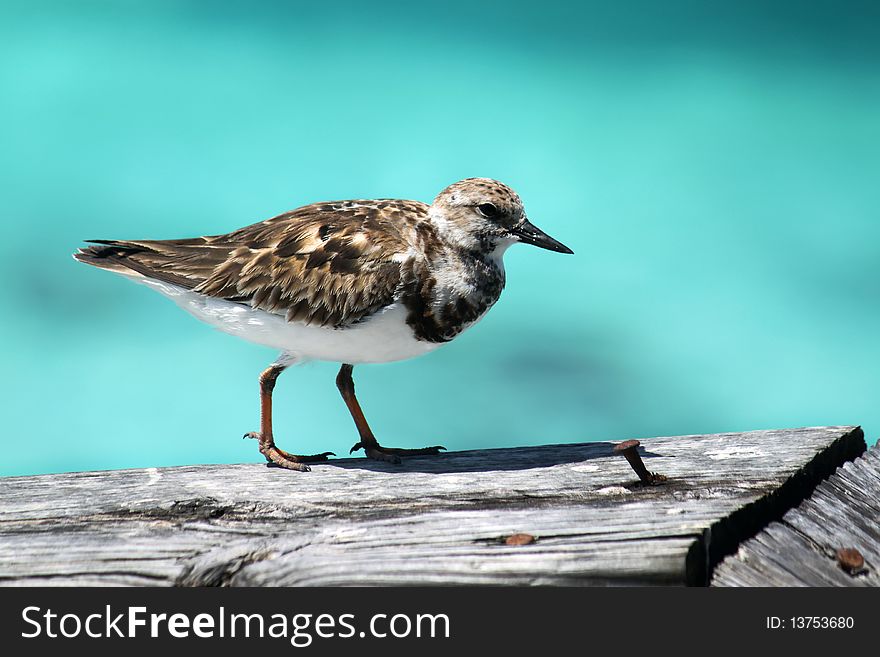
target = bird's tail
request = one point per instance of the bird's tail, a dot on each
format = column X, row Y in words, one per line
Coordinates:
column 186, row 262
column 111, row 255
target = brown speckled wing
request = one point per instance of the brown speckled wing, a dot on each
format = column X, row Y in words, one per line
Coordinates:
column 328, row 264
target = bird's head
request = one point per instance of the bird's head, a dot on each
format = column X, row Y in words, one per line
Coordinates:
column 486, row 215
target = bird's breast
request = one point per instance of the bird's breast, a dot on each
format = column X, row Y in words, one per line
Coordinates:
column 443, row 299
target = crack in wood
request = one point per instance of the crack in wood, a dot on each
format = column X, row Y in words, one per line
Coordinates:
column 799, row 549
column 429, row 521
column 723, row 538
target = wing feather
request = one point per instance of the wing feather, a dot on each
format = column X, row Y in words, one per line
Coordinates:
column 329, row 264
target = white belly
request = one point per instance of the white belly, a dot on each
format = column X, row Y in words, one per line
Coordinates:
column 383, row 338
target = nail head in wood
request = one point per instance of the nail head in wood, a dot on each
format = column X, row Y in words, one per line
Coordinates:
column 519, row 539
column 851, row 560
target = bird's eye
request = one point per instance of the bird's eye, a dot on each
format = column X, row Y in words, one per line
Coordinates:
column 488, row 210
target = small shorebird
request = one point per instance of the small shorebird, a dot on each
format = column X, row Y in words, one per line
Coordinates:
column 346, row 281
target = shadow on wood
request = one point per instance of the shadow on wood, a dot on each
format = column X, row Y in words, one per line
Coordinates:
column 499, row 460
column 433, row 520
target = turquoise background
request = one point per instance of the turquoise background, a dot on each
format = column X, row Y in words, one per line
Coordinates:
column 715, row 167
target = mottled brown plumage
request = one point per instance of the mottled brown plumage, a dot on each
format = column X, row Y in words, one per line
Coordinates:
column 351, row 281
column 326, row 264
column 329, row 264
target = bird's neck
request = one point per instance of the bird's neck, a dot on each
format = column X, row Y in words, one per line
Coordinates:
column 466, row 242
column 452, row 232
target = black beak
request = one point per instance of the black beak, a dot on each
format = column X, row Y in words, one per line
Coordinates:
column 528, row 233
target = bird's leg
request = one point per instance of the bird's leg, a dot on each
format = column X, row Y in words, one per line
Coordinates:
column 267, row 441
column 368, row 441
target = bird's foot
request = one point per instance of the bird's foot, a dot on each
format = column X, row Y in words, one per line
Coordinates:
column 392, row 454
column 279, row 458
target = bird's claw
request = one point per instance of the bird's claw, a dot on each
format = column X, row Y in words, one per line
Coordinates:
column 393, row 454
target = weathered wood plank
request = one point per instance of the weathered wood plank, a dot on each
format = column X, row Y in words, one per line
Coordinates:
column 800, row 550
column 435, row 520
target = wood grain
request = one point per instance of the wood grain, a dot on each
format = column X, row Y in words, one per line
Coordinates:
column 800, row 550
column 431, row 520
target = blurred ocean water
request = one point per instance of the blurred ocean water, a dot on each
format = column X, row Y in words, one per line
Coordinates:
column 715, row 169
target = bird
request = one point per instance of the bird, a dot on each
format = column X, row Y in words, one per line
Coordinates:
column 352, row 282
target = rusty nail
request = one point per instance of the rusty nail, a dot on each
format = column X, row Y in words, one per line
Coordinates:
column 519, row 539
column 630, row 451
column 851, row 560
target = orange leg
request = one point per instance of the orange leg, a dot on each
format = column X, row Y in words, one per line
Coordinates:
column 273, row 454
column 368, row 441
